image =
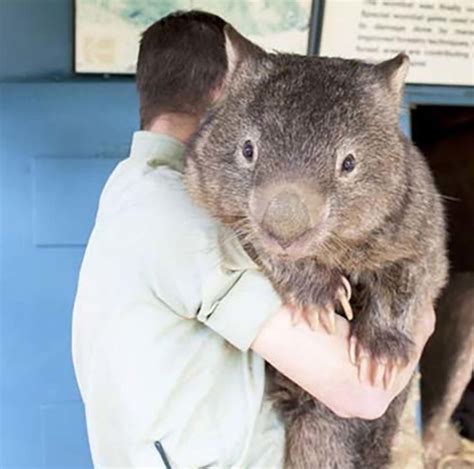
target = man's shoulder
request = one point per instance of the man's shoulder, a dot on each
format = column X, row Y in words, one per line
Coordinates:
column 148, row 227
column 135, row 185
column 150, row 209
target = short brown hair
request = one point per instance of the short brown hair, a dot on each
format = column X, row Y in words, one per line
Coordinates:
column 181, row 60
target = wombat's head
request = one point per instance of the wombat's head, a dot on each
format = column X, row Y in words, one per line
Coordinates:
column 301, row 152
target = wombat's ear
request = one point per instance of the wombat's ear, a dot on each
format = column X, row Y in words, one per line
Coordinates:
column 241, row 54
column 239, row 49
column 395, row 71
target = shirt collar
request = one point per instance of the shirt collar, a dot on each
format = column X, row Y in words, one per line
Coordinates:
column 158, row 150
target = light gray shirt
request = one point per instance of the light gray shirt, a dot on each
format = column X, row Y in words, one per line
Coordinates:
column 167, row 307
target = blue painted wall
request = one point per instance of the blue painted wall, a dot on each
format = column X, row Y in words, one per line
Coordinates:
column 60, row 137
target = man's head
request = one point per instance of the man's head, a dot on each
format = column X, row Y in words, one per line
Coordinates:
column 181, row 64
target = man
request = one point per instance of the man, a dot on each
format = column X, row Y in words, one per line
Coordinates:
column 172, row 322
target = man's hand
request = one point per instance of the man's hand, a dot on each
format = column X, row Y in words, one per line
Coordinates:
column 320, row 363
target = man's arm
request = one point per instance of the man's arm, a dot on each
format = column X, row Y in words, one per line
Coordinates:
column 319, row 363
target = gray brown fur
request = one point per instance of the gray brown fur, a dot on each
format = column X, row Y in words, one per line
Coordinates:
column 385, row 228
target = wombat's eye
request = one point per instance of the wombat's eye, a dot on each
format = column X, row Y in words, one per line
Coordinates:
column 348, row 164
column 247, row 151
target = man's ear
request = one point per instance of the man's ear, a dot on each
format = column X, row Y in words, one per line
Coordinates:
column 243, row 58
column 394, row 72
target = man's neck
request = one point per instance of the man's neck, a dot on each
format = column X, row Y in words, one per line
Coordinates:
column 176, row 125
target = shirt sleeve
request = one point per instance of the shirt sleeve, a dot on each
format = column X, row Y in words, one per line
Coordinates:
column 180, row 254
column 239, row 314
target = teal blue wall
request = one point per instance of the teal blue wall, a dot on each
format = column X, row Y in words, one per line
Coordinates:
column 60, row 137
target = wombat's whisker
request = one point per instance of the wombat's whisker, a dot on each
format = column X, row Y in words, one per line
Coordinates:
column 241, row 230
column 337, row 246
column 451, row 199
column 327, row 251
column 416, row 191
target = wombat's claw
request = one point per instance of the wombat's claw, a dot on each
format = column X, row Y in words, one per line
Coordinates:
column 347, row 286
column 327, row 317
column 353, row 350
column 390, row 374
column 296, row 312
column 299, row 313
column 314, row 317
column 382, row 374
column 343, row 295
column 376, row 372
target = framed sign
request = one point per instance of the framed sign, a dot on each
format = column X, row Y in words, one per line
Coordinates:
column 438, row 35
column 107, row 32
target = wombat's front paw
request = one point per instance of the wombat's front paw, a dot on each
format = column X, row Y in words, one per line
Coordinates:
column 379, row 354
column 322, row 308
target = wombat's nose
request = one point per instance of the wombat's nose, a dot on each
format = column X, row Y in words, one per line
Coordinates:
column 286, row 217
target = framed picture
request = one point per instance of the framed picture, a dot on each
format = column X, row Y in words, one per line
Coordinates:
column 437, row 35
column 107, row 32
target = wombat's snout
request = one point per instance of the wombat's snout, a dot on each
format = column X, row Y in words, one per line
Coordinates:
column 287, row 212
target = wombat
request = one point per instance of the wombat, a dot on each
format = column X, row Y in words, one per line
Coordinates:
column 303, row 158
